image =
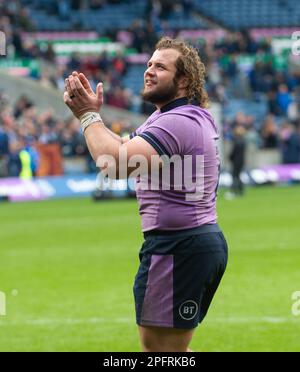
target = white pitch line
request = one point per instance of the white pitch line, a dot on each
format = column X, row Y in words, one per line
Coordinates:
column 253, row 319
column 97, row 320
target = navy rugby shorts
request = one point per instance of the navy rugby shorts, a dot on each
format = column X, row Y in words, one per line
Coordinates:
column 178, row 276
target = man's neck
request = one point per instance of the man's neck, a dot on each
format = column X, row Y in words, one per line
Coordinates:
column 181, row 101
column 160, row 105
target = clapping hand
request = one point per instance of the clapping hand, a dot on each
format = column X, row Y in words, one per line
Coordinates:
column 80, row 97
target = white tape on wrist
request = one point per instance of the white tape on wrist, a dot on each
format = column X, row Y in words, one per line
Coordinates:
column 89, row 118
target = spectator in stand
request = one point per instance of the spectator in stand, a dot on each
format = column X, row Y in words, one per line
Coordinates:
column 14, row 165
column 4, row 151
column 96, row 4
column 237, row 159
column 290, row 144
column 269, row 133
column 119, row 65
column 272, row 102
column 117, row 98
column 74, row 62
column 188, row 6
column 22, row 104
column 240, row 120
column 104, row 62
column 48, row 54
column 71, row 140
column 284, row 99
column 78, row 4
column 63, row 7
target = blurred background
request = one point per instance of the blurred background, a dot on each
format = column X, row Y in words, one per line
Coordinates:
column 252, row 61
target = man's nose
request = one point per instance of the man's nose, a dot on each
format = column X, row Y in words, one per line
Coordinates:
column 149, row 72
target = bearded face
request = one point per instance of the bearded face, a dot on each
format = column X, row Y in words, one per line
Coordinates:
column 160, row 84
column 160, row 93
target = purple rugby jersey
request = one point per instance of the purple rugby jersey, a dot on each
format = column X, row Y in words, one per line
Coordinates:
column 189, row 131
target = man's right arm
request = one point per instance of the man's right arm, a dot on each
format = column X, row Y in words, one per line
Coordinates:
column 122, row 140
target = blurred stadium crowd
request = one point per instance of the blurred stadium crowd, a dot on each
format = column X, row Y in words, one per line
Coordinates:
column 263, row 96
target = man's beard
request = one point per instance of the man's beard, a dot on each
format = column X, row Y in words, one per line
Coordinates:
column 161, row 95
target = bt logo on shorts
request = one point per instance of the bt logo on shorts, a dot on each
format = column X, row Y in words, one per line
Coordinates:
column 188, row 310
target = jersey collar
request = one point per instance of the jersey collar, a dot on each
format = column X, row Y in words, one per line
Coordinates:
column 176, row 103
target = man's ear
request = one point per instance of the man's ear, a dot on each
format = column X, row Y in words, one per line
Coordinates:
column 183, row 83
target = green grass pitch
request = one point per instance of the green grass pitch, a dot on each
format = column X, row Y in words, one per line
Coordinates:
column 67, row 270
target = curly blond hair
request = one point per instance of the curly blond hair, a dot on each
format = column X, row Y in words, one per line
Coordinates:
column 189, row 65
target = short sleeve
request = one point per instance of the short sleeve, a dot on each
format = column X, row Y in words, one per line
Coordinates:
column 133, row 134
column 173, row 134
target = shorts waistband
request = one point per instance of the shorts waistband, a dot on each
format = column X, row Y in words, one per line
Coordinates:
column 204, row 229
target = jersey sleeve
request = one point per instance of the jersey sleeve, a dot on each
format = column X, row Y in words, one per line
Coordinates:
column 173, row 134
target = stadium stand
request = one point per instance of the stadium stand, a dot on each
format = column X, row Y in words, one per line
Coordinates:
column 241, row 14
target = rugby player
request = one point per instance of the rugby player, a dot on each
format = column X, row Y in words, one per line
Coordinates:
column 184, row 254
